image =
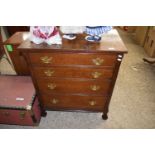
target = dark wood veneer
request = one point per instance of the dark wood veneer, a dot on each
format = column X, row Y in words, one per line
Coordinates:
column 76, row 75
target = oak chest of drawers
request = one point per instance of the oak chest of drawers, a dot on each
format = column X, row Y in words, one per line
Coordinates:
column 77, row 75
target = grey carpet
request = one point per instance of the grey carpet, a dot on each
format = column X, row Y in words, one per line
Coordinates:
column 132, row 104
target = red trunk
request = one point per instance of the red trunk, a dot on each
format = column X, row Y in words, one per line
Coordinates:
column 18, row 102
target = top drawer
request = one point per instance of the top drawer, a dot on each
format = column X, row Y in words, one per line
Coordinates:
column 72, row 59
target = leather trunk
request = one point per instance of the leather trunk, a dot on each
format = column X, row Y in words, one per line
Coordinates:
column 18, row 101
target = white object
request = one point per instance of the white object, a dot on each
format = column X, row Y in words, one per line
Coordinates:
column 119, row 59
column 19, row 99
column 120, row 56
column 72, row 29
column 66, row 36
column 47, row 34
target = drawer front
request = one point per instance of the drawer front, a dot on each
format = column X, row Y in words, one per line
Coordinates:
column 48, row 59
column 53, row 85
column 15, row 117
column 21, row 117
column 73, row 102
column 73, row 72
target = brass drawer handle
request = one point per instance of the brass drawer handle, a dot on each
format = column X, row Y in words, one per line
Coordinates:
column 94, row 87
column 52, row 86
column 46, row 59
column 54, row 101
column 22, row 115
column 92, row 103
column 6, row 114
column 48, row 72
column 96, row 75
column 98, row 61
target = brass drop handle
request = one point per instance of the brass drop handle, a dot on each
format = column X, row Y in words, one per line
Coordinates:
column 96, row 75
column 54, row 101
column 98, row 61
column 52, row 86
column 22, row 115
column 49, row 72
column 94, row 87
column 46, row 59
column 92, row 103
column 6, row 114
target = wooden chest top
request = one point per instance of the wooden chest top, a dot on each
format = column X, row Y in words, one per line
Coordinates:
column 17, row 38
column 111, row 42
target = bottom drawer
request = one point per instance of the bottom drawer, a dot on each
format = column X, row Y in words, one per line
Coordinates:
column 73, row 102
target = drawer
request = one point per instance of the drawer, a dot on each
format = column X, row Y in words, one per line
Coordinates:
column 73, row 72
column 63, row 59
column 73, row 102
column 54, row 85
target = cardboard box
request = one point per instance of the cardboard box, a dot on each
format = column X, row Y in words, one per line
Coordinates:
column 131, row 29
column 141, row 34
column 151, row 29
column 150, row 44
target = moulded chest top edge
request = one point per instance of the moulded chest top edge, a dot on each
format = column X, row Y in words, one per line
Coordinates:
column 17, row 38
column 111, row 42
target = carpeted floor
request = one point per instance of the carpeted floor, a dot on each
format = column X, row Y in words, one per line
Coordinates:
column 132, row 104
